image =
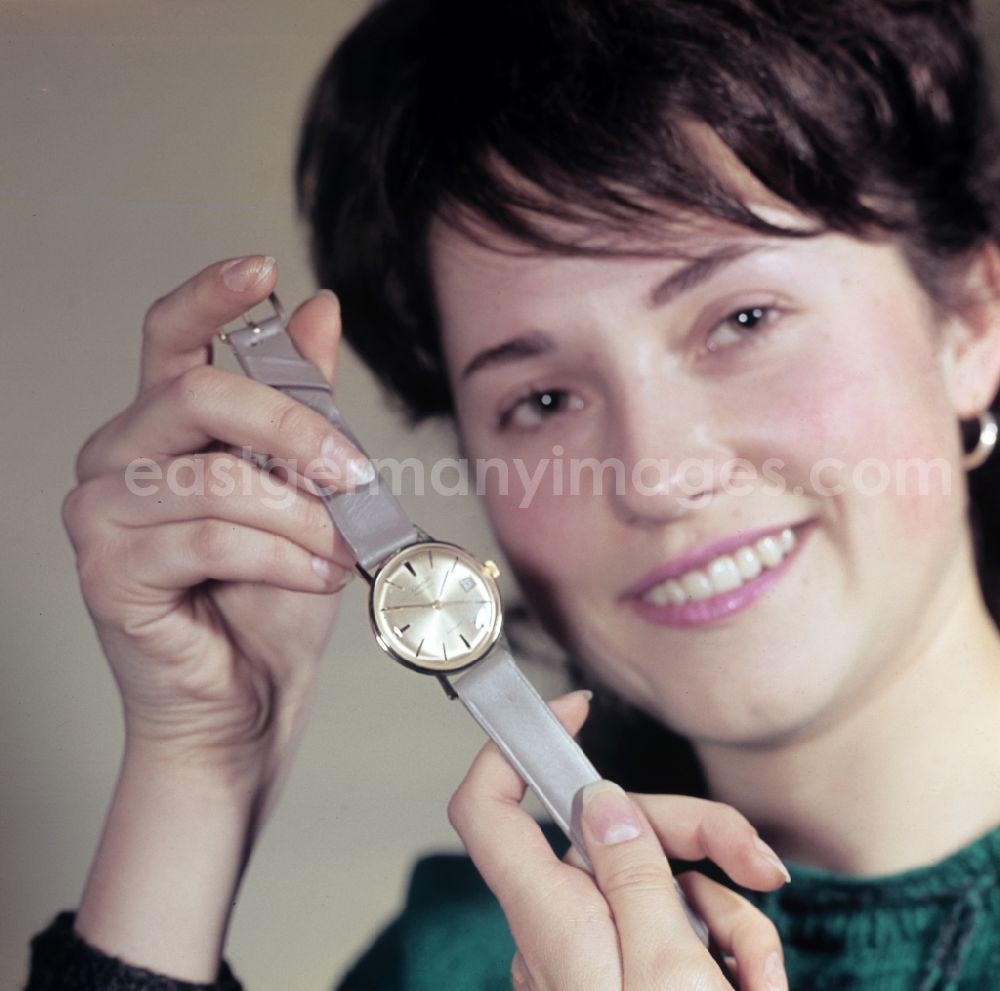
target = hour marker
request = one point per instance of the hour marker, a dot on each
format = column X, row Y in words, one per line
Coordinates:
column 430, row 556
column 419, row 648
column 466, row 642
column 444, row 651
column 468, row 583
column 400, row 630
column 409, row 568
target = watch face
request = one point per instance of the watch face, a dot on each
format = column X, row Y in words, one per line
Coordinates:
column 435, row 608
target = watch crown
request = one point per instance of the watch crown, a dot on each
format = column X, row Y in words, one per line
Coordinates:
column 491, row 569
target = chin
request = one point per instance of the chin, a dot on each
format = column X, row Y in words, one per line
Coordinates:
column 770, row 710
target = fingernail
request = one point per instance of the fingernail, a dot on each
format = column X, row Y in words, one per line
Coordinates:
column 584, row 693
column 360, row 471
column 771, row 858
column 608, row 813
column 774, row 973
column 329, row 294
column 322, row 568
column 243, row 274
column 356, row 470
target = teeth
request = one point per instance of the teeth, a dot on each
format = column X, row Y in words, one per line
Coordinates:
column 747, row 562
column 769, row 551
column 697, row 585
column 725, row 573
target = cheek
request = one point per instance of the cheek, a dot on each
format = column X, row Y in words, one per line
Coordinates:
column 542, row 527
column 872, row 422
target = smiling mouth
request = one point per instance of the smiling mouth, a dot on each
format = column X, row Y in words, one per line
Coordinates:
column 726, row 573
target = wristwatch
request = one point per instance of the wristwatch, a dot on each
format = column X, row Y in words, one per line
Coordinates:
column 434, row 607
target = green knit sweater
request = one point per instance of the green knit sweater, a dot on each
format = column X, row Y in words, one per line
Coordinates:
column 932, row 929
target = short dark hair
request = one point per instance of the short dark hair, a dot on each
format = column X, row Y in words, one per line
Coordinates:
column 873, row 117
column 867, row 115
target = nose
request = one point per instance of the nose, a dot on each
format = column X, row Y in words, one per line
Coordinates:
column 672, row 457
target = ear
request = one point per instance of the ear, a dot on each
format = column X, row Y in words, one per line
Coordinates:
column 969, row 349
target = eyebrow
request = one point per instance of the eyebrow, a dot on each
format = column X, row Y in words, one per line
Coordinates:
column 698, row 271
column 528, row 345
column 688, row 277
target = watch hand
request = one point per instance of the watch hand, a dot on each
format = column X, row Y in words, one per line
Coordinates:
column 436, row 605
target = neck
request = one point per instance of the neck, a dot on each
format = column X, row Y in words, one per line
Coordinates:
column 902, row 779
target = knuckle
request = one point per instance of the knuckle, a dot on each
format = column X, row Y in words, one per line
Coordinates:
column 218, row 473
column 316, row 519
column 153, row 319
column 81, row 509
column 88, row 458
column 636, row 877
column 294, row 420
column 213, row 540
column 459, row 810
column 721, row 820
column 192, row 385
column 84, row 459
column 279, row 554
column 752, row 924
column 730, row 816
column 72, row 511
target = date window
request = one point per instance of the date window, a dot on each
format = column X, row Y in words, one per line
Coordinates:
column 468, row 583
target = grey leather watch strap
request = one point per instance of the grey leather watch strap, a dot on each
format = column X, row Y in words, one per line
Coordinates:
column 537, row 745
column 369, row 518
column 514, row 715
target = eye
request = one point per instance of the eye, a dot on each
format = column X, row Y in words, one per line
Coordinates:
column 738, row 326
column 532, row 409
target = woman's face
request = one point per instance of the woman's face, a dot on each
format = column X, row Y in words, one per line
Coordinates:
column 777, row 384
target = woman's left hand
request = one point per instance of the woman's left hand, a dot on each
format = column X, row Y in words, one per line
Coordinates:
column 624, row 927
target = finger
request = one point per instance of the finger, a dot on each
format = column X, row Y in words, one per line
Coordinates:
column 486, row 812
column 315, row 328
column 695, row 828
column 214, row 486
column 634, row 876
column 739, row 930
column 181, row 555
column 204, row 406
column 179, row 327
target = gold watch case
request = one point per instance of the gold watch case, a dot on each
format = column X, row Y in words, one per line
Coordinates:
column 435, row 607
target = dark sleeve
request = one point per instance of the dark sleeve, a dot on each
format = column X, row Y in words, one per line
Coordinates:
column 62, row 961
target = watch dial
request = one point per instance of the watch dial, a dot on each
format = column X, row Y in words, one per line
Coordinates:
column 435, row 607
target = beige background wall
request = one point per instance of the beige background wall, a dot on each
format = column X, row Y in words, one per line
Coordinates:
column 141, row 141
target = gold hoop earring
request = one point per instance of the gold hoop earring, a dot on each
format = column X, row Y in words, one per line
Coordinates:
column 987, row 442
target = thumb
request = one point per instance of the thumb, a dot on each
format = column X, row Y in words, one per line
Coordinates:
column 315, row 329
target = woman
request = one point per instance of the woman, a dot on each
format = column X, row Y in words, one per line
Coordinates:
column 733, row 261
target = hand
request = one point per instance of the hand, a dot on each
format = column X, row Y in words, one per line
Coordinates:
column 213, row 607
column 624, row 927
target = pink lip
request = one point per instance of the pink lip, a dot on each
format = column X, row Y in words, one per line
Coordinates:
column 718, row 606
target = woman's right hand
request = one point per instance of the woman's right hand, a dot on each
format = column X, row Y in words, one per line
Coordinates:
column 213, row 606
column 621, row 928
